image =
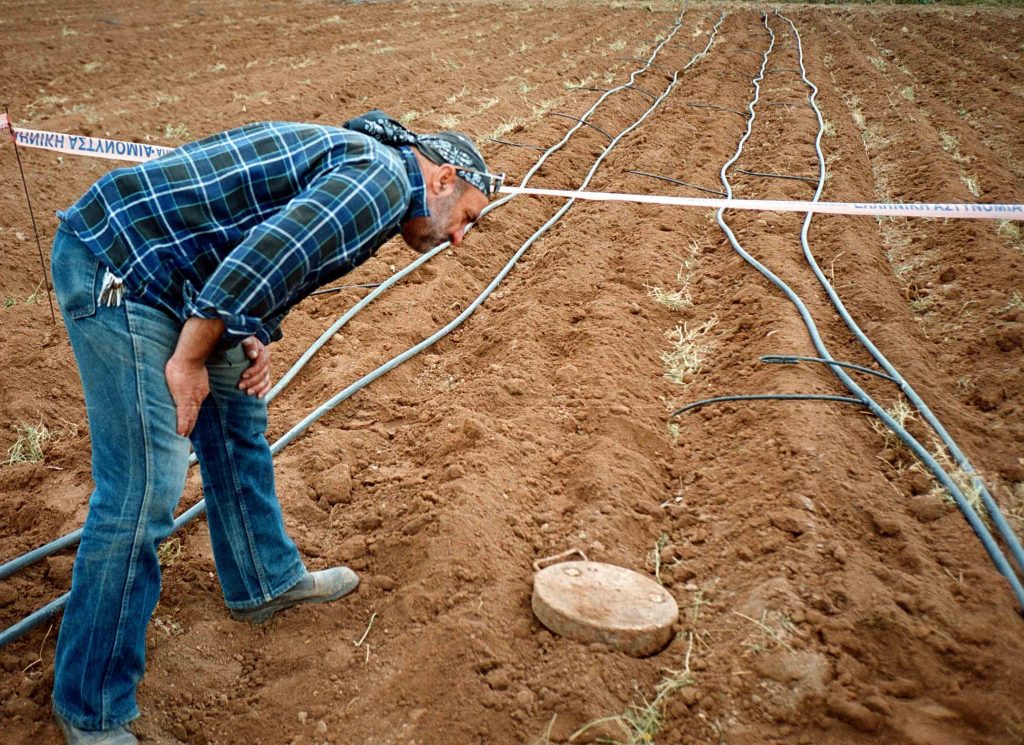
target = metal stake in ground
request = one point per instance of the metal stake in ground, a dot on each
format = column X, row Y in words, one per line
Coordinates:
column 39, row 245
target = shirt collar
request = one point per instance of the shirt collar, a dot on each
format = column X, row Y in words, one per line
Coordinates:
column 418, row 202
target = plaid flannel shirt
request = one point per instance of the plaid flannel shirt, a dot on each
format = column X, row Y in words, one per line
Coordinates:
column 245, row 223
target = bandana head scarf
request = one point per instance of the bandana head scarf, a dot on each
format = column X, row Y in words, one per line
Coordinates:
column 442, row 148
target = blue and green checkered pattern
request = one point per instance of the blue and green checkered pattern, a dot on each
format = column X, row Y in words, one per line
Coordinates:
column 244, row 224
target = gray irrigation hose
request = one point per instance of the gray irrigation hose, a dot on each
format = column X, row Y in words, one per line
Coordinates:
column 31, row 557
column 18, row 563
column 336, row 326
column 972, row 517
column 54, row 607
column 1005, row 531
column 458, row 320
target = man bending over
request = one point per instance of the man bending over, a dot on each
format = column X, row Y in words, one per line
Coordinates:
column 172, row 278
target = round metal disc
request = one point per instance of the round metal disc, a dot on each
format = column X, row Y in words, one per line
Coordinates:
column 594, row 602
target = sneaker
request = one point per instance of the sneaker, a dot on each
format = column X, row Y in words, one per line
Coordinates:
column 75, row 736
column 316, row 587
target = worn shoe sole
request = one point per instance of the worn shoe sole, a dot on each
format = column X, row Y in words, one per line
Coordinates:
column 327, row 585
column 75, row 736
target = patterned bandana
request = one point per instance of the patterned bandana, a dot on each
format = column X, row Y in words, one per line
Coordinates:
column 452, row 148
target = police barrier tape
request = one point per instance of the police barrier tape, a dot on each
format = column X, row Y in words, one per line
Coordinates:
column 99, row 147
column 96, row 147
column 980, row 211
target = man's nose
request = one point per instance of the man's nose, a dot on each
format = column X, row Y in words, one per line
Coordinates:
column 456, row 237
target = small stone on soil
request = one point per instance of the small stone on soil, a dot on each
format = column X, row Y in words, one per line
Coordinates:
column 885, row 525
column 927, row 508
column 857, row 716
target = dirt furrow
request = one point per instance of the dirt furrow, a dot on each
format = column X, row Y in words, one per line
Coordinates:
column 943, row 271
column 983, row 101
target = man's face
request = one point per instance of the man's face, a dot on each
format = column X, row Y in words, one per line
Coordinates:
column 450, row 213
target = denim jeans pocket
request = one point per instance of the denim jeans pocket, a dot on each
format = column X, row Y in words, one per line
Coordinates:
column 77, row 275
column 233, row 356
column 227, row 365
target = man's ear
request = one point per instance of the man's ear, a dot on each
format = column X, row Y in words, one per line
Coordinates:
column 445, row 178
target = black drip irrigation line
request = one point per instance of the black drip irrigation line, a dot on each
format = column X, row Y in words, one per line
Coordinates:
column 767, row 397
column 1009, row 537
column 794, row 359
column 581, row 121
column 340, row 288
column 638, row 89
column 516, row 144
column 715, row 106
column 784, row 69
column 777, row 175
column 788, row 104
column 677, row 181
column 605, row 90
column 51, row 609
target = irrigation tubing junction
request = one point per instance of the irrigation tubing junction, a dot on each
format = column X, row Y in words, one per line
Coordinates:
column 54, row 607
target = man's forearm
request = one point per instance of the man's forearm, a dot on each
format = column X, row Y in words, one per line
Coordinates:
column 198, row 338
column 186, row 374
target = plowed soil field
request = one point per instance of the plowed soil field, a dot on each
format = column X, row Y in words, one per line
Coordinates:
column 829, row 592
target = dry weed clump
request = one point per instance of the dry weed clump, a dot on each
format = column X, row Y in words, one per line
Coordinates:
column 1015, row 509
column 641, row 721
column 680, row 298
column 905, row 415
column 28, row 448
column 900, row 456
column 774, row 629
column 1010, row 232
column 968, row 484
column 169, row 551
column 683, row 361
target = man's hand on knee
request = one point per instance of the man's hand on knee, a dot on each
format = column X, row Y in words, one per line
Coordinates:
column 185, row 371
column 256, row 379
column 189, row 384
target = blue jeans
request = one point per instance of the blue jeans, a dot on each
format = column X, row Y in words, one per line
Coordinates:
column 139, row 463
